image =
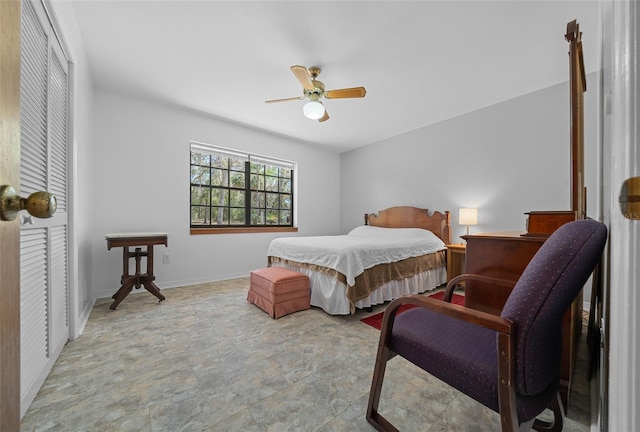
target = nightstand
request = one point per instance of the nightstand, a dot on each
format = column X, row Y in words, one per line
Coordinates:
column 455, row 260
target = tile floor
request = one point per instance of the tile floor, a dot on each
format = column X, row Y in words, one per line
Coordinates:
column 207, row 360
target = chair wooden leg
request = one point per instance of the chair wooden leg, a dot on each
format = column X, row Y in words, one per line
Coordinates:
column 506, row 389
column 558, row 418
column 373, row 416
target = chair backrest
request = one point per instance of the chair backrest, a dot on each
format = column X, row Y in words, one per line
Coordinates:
column 544, row 292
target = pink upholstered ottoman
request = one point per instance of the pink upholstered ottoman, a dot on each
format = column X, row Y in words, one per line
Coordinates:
column 279, row 291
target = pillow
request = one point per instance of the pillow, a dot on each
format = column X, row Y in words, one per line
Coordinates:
column 394, row 233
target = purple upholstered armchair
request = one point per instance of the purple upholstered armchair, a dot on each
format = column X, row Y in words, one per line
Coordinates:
column 509, row 363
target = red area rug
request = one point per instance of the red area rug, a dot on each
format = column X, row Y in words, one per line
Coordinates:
column 375, row 320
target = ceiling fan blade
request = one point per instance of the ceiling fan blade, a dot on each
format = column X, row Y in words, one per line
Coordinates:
column 354, row 92
column 303, row 76
column 325, row 117
column 284, row 100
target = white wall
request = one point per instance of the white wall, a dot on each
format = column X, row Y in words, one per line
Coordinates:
column 81, row 168
column 142, row 184
column 506, row 159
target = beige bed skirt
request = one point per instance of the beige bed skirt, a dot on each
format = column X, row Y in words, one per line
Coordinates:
column 378, row 275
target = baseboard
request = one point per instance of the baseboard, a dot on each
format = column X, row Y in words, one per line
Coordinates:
column 178, row 284
column 83, row 319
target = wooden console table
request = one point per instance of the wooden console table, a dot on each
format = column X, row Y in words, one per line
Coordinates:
column 138, row 279
column 505, row 255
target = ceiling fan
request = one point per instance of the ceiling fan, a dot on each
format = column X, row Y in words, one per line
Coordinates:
column 314, row 91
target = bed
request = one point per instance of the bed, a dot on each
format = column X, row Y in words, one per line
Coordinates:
column 398, row 251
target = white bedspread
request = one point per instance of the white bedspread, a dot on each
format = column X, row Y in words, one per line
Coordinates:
column 364, row 247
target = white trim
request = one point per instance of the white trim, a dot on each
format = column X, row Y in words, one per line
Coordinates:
column 179, row 284
column 624, row 319
column 267, row 160
column 83, row 318
column 217, row 150
column 76, row 323
column 53, row 20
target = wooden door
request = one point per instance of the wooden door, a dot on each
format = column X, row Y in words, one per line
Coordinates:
column 10, row 231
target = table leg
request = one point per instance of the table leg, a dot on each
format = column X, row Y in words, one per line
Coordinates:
column 124, row 291
column 125, row 265
column 138, row 279
column 137, row 255
column 148, row 278
column 153, row 289
column 127, row 281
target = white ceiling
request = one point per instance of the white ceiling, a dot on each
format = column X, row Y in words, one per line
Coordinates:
column 421, row 61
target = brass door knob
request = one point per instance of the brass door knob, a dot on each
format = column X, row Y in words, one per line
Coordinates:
column 630, row 198
column 39, row 204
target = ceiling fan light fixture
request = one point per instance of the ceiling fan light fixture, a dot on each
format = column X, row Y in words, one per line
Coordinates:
column 313, row 110
column 313, row 90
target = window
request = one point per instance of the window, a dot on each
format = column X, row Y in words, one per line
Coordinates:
column 232, row 189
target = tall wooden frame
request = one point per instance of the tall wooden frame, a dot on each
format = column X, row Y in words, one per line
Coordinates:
column 578, row 85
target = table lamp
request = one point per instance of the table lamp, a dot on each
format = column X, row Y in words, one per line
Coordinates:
column 468, row 216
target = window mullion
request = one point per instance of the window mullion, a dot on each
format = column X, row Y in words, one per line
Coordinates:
column 247, row 193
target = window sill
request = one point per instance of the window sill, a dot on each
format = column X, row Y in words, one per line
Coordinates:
column 241, row 230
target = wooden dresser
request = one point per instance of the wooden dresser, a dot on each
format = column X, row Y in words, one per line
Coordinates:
column 505, row 255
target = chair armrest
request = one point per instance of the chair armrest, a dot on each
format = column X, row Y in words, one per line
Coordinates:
column 506, row 340
column 448, row 292
column 475, row 317
column 504, row 328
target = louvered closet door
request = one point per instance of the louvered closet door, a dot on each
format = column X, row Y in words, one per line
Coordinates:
column 43, row 166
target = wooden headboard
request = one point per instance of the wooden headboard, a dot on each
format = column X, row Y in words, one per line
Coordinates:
column 412, row 217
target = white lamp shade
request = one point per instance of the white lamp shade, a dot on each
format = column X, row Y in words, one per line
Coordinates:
column 313, row 110
column 468, row 216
